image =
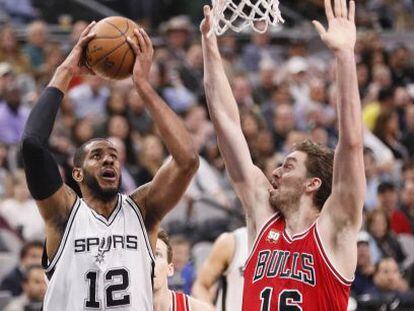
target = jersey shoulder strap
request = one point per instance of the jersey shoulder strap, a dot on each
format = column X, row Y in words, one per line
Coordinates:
column 180, row 302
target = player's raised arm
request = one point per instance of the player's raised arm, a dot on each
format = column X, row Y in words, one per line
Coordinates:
column 248, row 180
column 341, row 216
column 53, row 198
column 162, row 194
column 212, row 269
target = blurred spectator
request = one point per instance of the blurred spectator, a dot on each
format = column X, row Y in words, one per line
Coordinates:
column 191, row 71
column 13, row 114
column 151, row 157
column 407, row 201
column 20, row 11
column 388, row 203
column 283, row 123
column 34, row 289
column 37, row 41
column 363, row 282
column 259, row 49
column 388, row 131
column 30, row 255
column 137, row 115
column 378, row 226
column 408, row 137
column 177, row 33
column 184, row 272
column 21, row 211
column 11, row 53
column 387, row 276
column 89, row 98
column 371, row 174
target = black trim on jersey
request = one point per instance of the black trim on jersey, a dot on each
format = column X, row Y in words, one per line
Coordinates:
column 224, row 286
column 137, row 211
column 108, row 221
column 50, row 266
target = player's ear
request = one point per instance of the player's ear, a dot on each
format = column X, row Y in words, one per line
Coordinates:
column 77, row 174
column 313, row 184
column 170, row 270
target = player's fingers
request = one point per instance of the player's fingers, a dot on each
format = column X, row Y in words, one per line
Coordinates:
column 207, row 12
column 328, row 10
column 319, row 28
column 141, row 42
column 85, row 40
column 133, row 45
column 344, row 9
column 351, row 14
column 338, row 8
column 87, row 29
column 147, row 39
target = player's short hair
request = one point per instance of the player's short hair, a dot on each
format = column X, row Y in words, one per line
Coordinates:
column 319, row 163
column 163, row 236
column 80, row 153
column 28, row 246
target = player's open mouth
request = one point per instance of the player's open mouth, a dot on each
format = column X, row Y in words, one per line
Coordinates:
column 274, row 184
column 108, row 174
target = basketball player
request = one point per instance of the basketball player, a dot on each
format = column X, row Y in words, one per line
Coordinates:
column 226, row 261
column 99, row 249
column 165, row 299
column 303, row 225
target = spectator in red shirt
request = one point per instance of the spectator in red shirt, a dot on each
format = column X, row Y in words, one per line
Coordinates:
column 388, row 202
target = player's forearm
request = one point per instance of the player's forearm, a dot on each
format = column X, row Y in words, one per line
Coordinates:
column 42, row 173
column 217, row 87
column 172, row 130
column 349, row 103
column 61, row 79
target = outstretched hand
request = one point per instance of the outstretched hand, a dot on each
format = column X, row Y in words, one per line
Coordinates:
column 341, row 33
column 207, row 23
column 75, row 61
column 144, row 52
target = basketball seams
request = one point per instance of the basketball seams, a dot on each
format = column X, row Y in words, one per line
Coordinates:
column 119, row 30
column 109, row 53
column 122, row 62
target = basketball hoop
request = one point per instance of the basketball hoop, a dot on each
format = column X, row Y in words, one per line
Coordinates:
column 238, row 14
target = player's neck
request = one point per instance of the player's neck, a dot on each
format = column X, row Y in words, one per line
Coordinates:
column 162, row 299
column 300, row 219
column 104, row 208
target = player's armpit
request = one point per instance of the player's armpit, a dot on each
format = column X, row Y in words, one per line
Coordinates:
column 56, row 209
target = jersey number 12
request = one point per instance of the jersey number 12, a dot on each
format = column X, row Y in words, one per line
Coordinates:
column 118, row 280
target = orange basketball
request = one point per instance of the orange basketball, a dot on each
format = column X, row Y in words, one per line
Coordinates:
column 108, row 54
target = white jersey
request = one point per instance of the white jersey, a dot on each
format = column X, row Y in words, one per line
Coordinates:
column 102, row 264
column 231, row 294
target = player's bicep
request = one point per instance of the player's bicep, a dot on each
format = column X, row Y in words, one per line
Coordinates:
column 345, row 204
column 165, row 190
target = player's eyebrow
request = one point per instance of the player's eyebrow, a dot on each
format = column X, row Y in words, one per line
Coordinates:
column 291, row 159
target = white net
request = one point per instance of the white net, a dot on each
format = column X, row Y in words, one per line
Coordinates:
column 238, row 14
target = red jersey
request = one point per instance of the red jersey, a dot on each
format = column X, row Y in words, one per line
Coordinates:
column 291, row 273
column 179, row 302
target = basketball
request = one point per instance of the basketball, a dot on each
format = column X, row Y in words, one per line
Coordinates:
column 109, row 54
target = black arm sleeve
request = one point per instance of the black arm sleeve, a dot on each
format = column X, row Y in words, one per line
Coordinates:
column 42, row 172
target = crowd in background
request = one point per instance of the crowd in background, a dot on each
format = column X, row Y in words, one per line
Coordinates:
column 286, row 93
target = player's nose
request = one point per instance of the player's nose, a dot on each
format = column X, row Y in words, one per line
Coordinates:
column 108, row 160
column 277, row 172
